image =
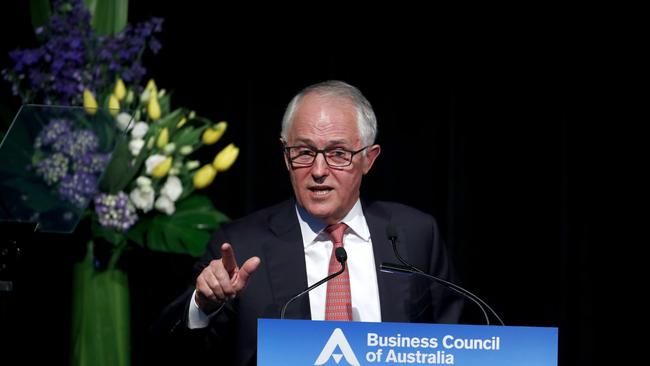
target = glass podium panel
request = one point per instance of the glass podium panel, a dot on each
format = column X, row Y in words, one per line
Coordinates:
column 51, row 161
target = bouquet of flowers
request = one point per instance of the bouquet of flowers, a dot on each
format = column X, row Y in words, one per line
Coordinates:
column 147, row 193
column 147, row 181
column 147, row 190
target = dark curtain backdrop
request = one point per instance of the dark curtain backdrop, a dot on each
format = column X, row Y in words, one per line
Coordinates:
column 486, row 130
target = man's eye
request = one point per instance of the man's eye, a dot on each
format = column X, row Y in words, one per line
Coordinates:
column 337, row 153
column 305, row 151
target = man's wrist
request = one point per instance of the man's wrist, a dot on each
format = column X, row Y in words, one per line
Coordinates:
column 207, row 307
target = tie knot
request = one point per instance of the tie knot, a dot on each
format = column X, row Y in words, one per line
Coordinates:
column 336, row 233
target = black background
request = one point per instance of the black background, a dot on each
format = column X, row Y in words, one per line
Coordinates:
column 493, row 125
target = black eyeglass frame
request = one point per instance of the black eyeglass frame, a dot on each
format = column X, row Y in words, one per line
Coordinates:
column 320, row 151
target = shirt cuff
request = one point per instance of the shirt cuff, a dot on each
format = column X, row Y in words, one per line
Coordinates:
column 196, row 318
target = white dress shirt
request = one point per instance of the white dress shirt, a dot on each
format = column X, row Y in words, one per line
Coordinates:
column 361, row 264
column 318, row 250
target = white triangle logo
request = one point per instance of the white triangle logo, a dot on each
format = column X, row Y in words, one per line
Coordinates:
column 337, row 339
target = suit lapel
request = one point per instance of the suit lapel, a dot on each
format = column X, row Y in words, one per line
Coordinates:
column 285, row 258
column 394, row 290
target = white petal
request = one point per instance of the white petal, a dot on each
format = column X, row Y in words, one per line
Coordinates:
column 153, row 161
column 164, row 204
column 123, row 121
column 139, row 130
column 172, row 188
column 135, row 146
column 142, row 199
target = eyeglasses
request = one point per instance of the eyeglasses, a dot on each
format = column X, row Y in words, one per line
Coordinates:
column 334, row 157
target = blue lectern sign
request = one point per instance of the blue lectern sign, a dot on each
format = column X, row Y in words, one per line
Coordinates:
column 304, row 342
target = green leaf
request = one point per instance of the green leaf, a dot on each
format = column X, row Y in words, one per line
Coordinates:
column 197, row 203
column 118, row 173
column 187, row 231
column 188, row 136
column 138, row 231
column 109, row 16
column 165, row 104
column 109, row 235
column 40, row 12
column 171, row 119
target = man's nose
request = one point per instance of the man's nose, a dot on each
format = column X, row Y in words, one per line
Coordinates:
column 319, row 168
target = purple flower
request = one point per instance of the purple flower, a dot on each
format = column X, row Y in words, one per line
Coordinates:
column 78, row 188
column 77, row 143
column 73, row 57
column 51, row 132
column 52, row 168
column 115, row 211
column 90, row 163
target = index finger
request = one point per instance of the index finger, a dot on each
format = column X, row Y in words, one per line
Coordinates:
column 228, row 258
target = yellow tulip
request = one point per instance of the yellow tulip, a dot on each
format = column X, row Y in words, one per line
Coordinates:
column 113, row 105
column 204, row 176
column 225, row 158
column 90, row 104
column 162, row 169
column 151, row 87
column 153, row 108
column 120, row 89
column 212, row 134
column 163, row 138
column 181, row 123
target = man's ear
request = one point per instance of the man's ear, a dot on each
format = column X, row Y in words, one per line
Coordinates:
column 284, row 154
column 371, row 154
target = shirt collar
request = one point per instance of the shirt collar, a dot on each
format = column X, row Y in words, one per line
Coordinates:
column 311, row 228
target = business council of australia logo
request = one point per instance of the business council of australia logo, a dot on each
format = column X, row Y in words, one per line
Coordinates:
column 335, row 344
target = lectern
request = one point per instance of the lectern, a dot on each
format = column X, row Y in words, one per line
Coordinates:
column 305, row 342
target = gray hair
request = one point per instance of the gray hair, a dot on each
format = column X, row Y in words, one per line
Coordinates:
column 366, row 120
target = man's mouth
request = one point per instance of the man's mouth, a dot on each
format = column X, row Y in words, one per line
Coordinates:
column 320, row 191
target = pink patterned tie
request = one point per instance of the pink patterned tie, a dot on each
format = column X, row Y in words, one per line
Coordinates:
column 338, row 305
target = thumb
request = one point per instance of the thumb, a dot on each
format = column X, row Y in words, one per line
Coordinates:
column 245, row 272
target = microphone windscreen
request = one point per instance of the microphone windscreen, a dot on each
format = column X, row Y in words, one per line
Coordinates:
column 391, row 231
column 341, row 255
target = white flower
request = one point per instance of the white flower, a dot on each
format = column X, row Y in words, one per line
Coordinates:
column 172, row 188
column 135, row 146
column 169, row 148
column 153, row 161
column 143, row 181
column 164, row 204
column 139, row 130
column 185, row 150
column 192, row 164
column 123, row 121
column 142, row 198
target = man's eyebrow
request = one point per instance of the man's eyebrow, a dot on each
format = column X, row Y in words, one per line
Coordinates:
column 309, row 142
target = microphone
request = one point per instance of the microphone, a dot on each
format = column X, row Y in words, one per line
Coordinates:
column 406, row 268
column 342, row 257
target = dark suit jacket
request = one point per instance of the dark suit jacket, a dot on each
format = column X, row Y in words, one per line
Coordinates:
column 273, row 234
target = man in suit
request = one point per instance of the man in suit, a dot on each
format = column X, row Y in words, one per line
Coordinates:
column 254, row 265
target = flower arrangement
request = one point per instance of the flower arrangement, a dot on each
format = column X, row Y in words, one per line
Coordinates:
column 147, row 193
column 147, row 183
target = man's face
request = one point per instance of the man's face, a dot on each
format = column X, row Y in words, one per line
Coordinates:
column 328, row 193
